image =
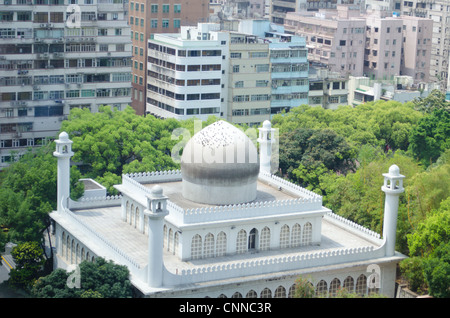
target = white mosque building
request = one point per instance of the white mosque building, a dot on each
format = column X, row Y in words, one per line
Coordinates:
column 223, row 228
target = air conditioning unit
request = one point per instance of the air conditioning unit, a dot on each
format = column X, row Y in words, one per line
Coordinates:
column 37, row 39
column 43, row 25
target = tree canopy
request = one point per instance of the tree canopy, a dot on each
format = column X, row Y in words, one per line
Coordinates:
column 99, row 279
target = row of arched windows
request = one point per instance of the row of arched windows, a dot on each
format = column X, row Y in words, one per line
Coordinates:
column 321, row 289
column 133, row 216
column 211, row 246
column 74, row 252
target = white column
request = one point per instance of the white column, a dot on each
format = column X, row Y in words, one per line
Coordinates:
column 156, row 211
column 63, row 153
column 266, row 136
column 393, row 187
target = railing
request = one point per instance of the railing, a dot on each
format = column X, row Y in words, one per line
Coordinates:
column 275, row 264
column 110, row 246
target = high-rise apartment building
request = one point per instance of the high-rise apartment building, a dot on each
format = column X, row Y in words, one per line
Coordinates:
column 384, row 40
column 56, row 55
column 243, row 76
column 416, row 51
column 147, row 18
column 439, row 12
column 186, row 73
column 335, row 39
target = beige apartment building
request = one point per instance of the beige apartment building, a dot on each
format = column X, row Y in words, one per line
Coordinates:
column 384, row 37
column 335, row 39
column 416, row 52
column 439, row 12
column 249, row 80
column 157, row 16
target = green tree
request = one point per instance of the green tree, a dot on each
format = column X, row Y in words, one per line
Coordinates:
column 29, row 260
column 306, row 153
column 28, row 193
column 437, row 271
column 303, row 288
column 99, row 279
column 431, row 137
column 433, row 231
column 435, row 100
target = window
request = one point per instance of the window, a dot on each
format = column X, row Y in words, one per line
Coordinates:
column 296, row 235
column 176, row 23
column 284, row 236
column 262, row 68
column 239, row 84
column 235, row 68
column 342, row 42
column 241, row 242
column 235, row 55
column 264, row 242
column 209, row 245
column 177, row 8
column 154, row 8
column 165, row 23
column 154, row 23
column 307, row 234
column 221, row 244
column 252, row 239
column 165, row 8
column 196, row 247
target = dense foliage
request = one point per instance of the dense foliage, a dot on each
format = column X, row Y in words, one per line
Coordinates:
column 99, row 279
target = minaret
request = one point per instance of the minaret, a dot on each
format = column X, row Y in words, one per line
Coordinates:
column 156, row 211
column 393, row 187
column 63, row 153
column 266, row 139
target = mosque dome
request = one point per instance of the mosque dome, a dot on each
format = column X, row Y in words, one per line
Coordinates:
column 220, row 166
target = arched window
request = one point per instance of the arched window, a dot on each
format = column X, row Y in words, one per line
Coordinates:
column 264, row 242
column 296, row 238
column 72, row 252
column 165, row 239
column 67, row 248
column 280, row 292
column 222, row 296
column 307, row 234
column 241, row 242
column 321, row 288
column 284, row 236
column 131, row 214
column 361, row 285
column 292, row 291
column 77, row 254
column 266, row 293
column 196, row 247
column 63, row 245
column 349, row 284
column 251, row 294
column 237, row 295
column 82, row 254
column 252, row 239
column 170, row 241
column 221, row 244
column 208, row 250
column 127, row 212
column 176, row 242
column 137, row 218
column 334, row 286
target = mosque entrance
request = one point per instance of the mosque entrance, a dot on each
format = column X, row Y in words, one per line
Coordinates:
column 252, row 239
